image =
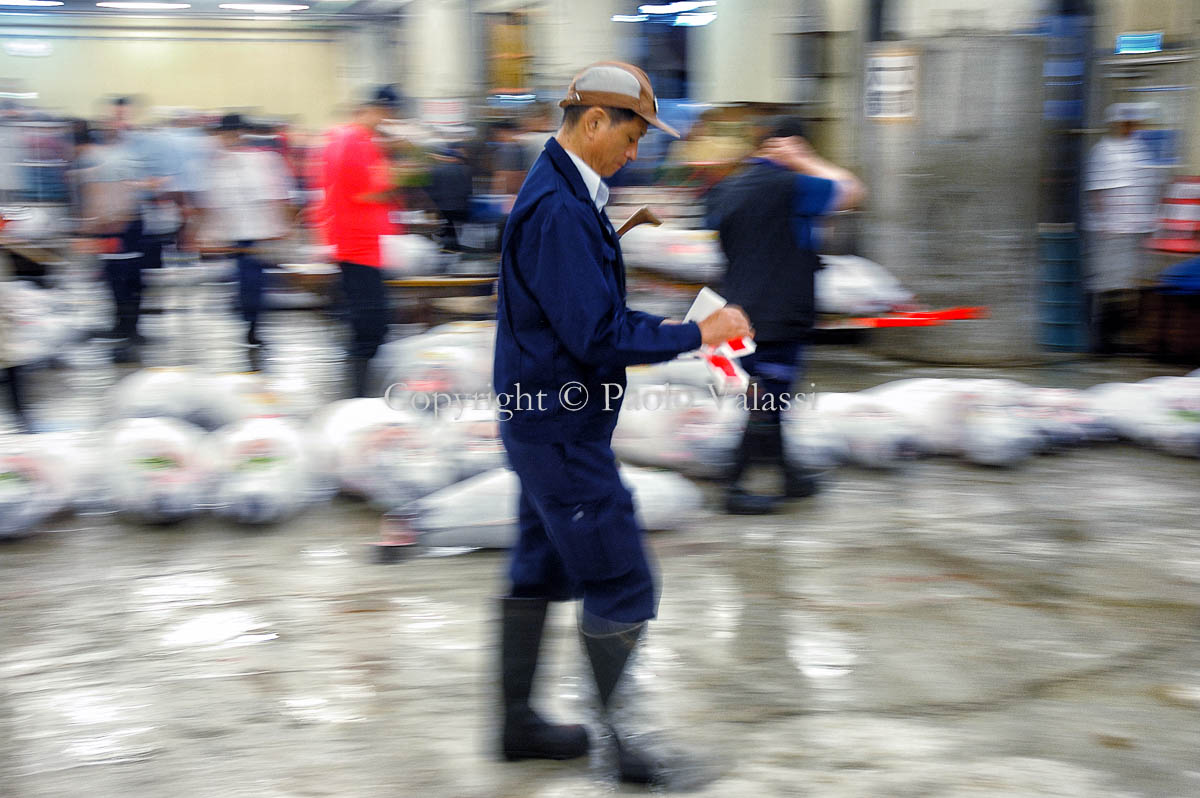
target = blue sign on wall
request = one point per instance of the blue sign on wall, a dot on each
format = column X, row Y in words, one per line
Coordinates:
column 1140, row 42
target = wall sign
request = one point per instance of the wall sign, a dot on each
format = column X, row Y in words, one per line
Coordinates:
column 891, row 86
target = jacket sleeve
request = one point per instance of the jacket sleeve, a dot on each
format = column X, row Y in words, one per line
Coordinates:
column 641, row 316
column 563, row 268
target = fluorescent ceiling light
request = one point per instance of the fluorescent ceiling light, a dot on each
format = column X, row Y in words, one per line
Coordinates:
column 694, row 20
column 262, row 8
column 18, row 95
column 143, row 6
column 676, row 8
column 629, row 17
column 31, row 3
column 28, row 47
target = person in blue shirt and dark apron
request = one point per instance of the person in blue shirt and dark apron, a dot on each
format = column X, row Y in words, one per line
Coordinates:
column 564, row 337
column 766, row 215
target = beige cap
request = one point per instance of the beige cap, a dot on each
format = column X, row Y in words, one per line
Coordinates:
column 617, row 85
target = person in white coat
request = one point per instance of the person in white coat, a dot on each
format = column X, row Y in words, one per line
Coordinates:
column 243, row 204
column 1122, row 190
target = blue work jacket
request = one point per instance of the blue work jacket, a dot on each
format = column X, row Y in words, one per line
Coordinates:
column 563, row 333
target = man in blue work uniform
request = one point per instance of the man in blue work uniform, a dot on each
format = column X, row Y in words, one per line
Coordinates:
column 765, row 215
column 563, row 340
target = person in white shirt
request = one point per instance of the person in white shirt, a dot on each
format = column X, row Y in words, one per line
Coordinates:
column 1122, row 190
column 193, row 149
column 243, row 204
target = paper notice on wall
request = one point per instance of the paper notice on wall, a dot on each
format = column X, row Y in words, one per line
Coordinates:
column 891, row 86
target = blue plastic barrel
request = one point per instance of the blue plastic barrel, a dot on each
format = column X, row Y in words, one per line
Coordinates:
column 1062, row 303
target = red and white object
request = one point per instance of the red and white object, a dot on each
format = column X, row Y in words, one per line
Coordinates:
column 722, row 360
column 1179, row 222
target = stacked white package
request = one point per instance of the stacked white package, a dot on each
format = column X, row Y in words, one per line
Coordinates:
column 260, row 470
column 155, row 472
column 385, row 455
column 481, row 512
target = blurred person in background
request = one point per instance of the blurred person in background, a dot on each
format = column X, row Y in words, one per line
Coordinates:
column 12, row 150
column 13, row 378
column 244, row 203
column 507, row 157
column 766, row 216
column 1122, row 190
column 149, row 158
column 193, row 149
column 537, row 129
column 562, row 321
column 450, row 190
column 152, row 149
column 359, row 195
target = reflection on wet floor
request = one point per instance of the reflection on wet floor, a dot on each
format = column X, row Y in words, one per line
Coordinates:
column 939, row 630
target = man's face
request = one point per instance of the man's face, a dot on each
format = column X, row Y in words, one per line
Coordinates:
column 375, row 115
column 612, row 146
column 122, row 115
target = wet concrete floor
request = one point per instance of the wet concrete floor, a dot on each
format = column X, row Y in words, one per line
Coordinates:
column 943, row 630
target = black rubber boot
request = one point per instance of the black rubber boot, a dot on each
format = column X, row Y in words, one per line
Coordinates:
column 641, row 758
column 798, row 482
column 114, row 333
column 360, row 368
column 526, row 735
column 16, row 394
column 130, row 316
column 753, row 448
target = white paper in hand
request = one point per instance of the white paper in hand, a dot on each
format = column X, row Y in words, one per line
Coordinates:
column 707, row 302
column 721, row 360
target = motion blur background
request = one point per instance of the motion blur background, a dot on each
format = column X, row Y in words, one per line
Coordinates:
column 995, row 593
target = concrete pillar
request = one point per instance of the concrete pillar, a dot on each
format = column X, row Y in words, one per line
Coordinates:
column 954, row 194
column 440, row 50
column 567, row 35
column 742, row 56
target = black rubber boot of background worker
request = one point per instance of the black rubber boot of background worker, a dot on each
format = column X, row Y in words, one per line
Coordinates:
column 526, row 735
column 798, row 482
column 360, row 369
column 754, row 448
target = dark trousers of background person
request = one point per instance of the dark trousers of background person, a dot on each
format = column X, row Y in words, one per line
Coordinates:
column 151, row 247
column 1112, row 315
column 367, row 306
column 252, row 280
column 16, row 394
column 123, row 271
column 448, row 234
column 774, row 367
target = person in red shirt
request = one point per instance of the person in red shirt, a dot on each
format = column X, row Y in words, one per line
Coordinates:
column 358, row 198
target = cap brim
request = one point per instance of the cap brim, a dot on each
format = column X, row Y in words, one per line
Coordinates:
column 661, row 125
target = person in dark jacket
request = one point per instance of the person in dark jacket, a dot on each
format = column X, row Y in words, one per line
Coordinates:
column 766, row 215
column 450, row 182
column 564, row 337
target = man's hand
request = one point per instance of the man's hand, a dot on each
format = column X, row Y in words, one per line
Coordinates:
column 797, row 154
column 793, row 153
column 726, row 324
